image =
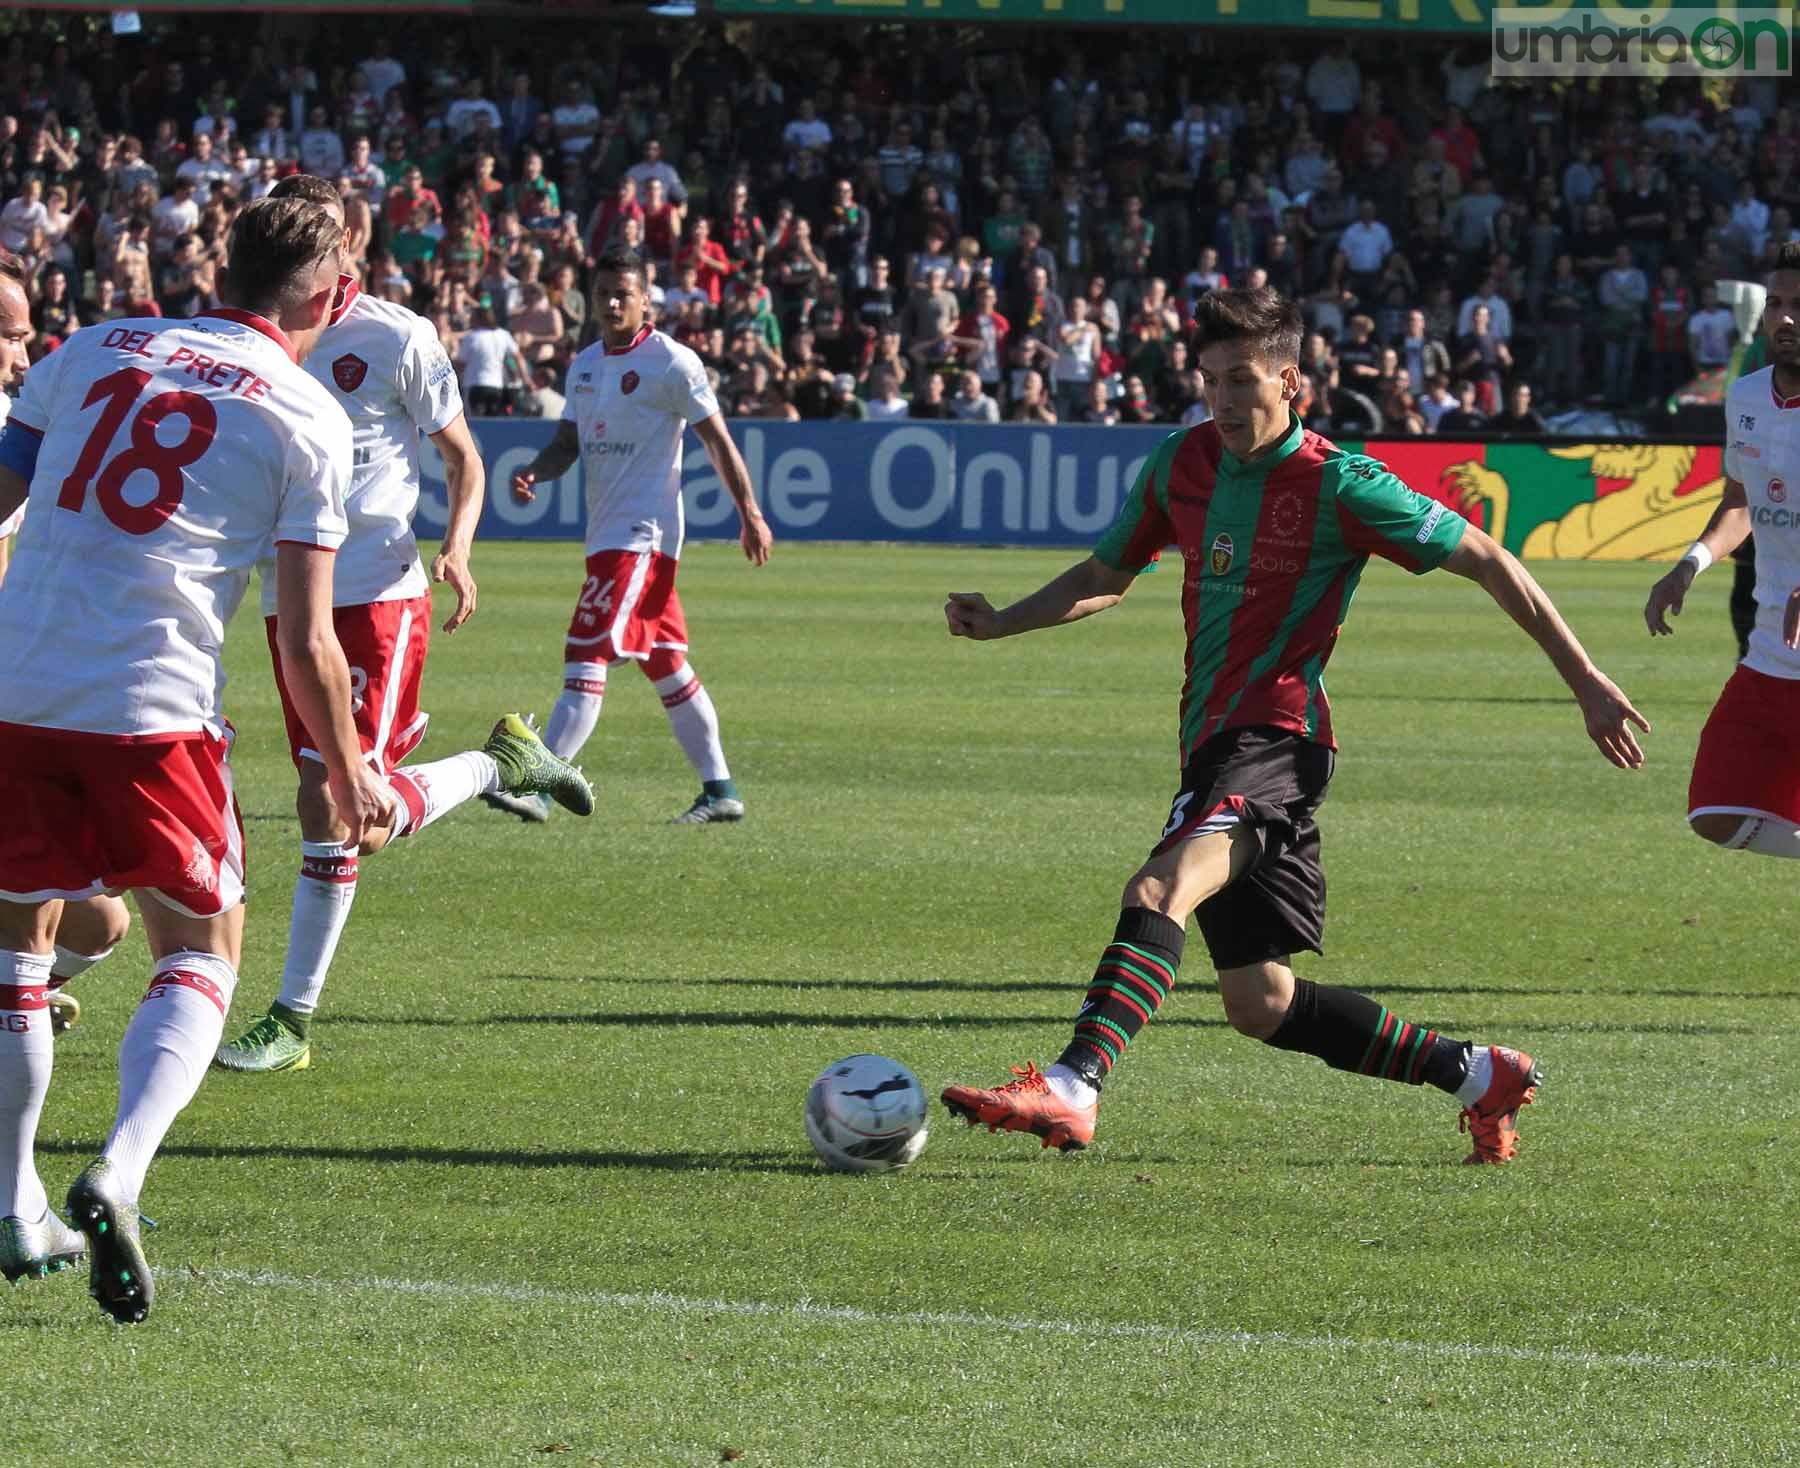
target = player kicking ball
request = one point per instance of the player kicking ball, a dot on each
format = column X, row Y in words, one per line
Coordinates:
column 631, row 396
column 88, row 930
column 383, row 365
column 1744, row 794
column 1274, row 525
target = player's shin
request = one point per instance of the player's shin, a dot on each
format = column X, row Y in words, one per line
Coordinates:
column 1350, row 1031
column 323, row 894
column 25, row 1060
column 577, row 709
column 427, row 792
column 164, row 1055
column 695, row 724
column 1134, row 976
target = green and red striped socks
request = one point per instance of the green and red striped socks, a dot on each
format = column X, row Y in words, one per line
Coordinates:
column 1349, row 1031
column 1134, row 976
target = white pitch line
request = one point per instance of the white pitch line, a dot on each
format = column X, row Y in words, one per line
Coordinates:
column 662, row 1302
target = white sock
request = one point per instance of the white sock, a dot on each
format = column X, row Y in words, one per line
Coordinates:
column 164, row 1055
column 429, row 791
column 1480, row 1077
column 1766, row 836
column 322, row 896
column 72, row 965
column 1071, row 1086
column 577, row 709
column 25, row 1057
column 695, row 722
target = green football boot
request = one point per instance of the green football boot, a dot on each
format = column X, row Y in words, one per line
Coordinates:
column 269, row 1044
column 528, row 768
column 534, row 810
column 118, row 1274
column 33, row 1250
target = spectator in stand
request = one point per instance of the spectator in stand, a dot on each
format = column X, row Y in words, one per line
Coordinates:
column 1078, row 350
column 1096, row 406
column 1461, row 145
column 1520, row 420
column 885, row 401
column 1486, row 295
column 798, row 270
column 1469, row 222
column 185, row 283
column 1670, row 308
column 653, row 165
column 928, row 325
column 382, row 71
column 929, row 401
column 1466, row 416
column 1623, row 296
column 321, row 149
column 1359, row 355
column 1333, row 86
column 26, row 212
column 741, row 229
column 808, row 132
column 611, row 215
column 173, row 217
column 1711, row 332
column 1436, row 401
column 845, row 403
column 537, row 329
column 846, row 236
column 972, row 403
column 1040, row 313
column 706, row 258
column 485, row 353
column 900, row 159
column 1483, row 358
column 1030, row 254
column 1422, row 355
column 1133, row 402
column 981, row 338
column 1030, row 403
column 204, row 169
column 1368, row 244
column 662, row 226
column 1568, row 303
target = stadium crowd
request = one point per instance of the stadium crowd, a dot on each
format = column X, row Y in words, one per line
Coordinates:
column 995, row 227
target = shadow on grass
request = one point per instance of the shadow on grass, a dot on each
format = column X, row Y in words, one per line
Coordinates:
column 472, row 1156
column 747, row 1020
column 1074, row 986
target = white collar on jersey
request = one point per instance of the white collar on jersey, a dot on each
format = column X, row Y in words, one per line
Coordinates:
column 256, row 323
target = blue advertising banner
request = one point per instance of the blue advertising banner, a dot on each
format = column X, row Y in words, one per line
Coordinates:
column 937, row 482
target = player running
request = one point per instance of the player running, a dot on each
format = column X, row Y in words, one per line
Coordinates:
column 90, row 929
column 1745, row 791
column 384, row 367
column 162, row 459
column 1274, row 525
column 631, row 395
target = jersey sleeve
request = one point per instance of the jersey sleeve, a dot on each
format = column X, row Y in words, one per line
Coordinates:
column 686, row 390
column 317, row 481
column 427, row 381
column 1734, row 457
column 1135, row 540
column 31, row 408
column 1379, row 514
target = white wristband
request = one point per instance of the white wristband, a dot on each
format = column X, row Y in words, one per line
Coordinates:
column 1699, row 555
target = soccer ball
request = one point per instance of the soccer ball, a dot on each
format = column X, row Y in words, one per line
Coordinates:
column 866, row 1113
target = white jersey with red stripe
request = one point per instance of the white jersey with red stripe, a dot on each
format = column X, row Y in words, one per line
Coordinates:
column 1762, row 452
column 10, row 525
column 630, row 408
column 174, row 455
column 384, row 366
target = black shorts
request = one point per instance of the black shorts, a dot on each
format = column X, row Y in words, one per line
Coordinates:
column 1271, row 782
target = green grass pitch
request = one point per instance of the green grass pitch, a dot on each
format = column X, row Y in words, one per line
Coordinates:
column 545, row 1190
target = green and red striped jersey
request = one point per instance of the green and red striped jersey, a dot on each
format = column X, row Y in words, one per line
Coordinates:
column 1271, row 553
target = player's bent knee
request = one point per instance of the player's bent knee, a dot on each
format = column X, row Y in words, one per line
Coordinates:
column 1149, row 889
column 1256, row 998
column 1764, row 834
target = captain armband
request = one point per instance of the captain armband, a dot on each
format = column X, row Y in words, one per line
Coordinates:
column 19, row 447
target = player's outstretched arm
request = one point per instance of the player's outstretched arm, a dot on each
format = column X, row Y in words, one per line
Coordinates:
column 755, row 535
column 1087, row 587
column 555, row 460
column 465, row 479
column 1608, row 712
column 1724, row 533
column 317, row 676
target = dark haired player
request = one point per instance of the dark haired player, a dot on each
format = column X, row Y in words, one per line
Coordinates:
column 1745, row 790
column 1274, row 525
column 631, row 396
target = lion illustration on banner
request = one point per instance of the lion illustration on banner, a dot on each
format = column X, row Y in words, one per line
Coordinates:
column 1631, row 501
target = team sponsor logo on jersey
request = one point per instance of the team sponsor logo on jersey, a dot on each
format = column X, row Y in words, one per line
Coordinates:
column 1431, row 522
column 349, row 371
column 1223, row 552
column 629, row 382
column 441, row 370
column 1773, row 519
column 1747, row 421
column 1748, row 450
column 1284, row 518
column 584, row 382
column 1777, row 492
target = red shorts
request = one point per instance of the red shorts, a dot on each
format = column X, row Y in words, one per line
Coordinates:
column 86, row 814
column 627, row 609
column 1749, row 757
column 384, row 642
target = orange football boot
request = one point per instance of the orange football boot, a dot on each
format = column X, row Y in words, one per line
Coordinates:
column 1492, row 1122
column 1026, row 1105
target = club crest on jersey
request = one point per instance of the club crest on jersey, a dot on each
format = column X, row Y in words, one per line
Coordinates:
column 349, row 371
column 1777, row 492
column 629, row 382
column 1223, row 551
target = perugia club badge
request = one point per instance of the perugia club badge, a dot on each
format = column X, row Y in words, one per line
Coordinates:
column 1777, row 491
column 628, row 383
column 349, row 371
column 1222, row 552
